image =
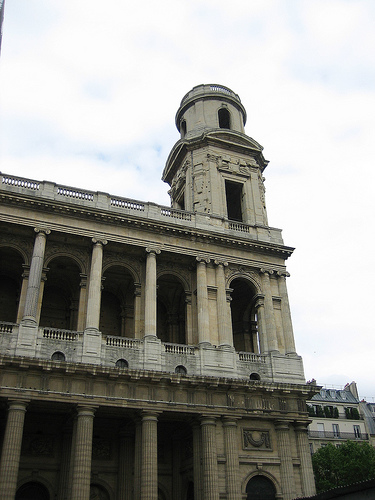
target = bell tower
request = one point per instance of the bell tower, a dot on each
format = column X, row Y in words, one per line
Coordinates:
column 215, row 168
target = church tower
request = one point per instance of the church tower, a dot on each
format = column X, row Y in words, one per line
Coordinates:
column 147, row 352
column 216, row 168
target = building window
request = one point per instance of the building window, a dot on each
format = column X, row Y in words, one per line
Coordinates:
column 357, row 431
column 224, row 118
column 336, row 430
column 181, row 369
column 320, row 429
column 183, row 128
column 58, row 356
column 233, row 191
column 311, row 448
column 122, row 363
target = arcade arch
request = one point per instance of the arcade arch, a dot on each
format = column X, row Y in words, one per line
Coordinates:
column 244, row 316
column 117, row 302
column 260, row 487
column 61, row 294
column 11, row 270
column 171, row 310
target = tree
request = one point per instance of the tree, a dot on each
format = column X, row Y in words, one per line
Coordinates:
column 349, row 463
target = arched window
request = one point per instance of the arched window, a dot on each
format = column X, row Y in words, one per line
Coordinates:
column 32, row 490
column 183, row 128
column 244, row 317
column 260, row 488
column 171, row 310
column 122, row 363
column 181, row 369
column 255, row 376
column 58, row 356
column 224, row 118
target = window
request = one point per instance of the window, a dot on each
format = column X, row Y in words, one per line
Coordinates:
column 320, row 430
column 233, row 191
column 224, row 118
column 311, row 448
column 357, row 431
column 183, row 128
column 122, row 363
column 336, row 430
column 181, row 369
column 58, row 356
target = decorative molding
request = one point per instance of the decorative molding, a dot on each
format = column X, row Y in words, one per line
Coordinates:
column 258, row 439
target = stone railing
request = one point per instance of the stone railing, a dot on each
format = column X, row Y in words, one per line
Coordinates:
column 73, row 193
column 123, row 342
column 57, row 334
column 185, row 350
column 6, row 327
column 118, row 205
column 251, row 357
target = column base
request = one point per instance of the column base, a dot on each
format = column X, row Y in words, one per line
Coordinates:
column 27, row 335
column 92, row 346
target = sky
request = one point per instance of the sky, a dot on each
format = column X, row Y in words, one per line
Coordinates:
column 88, row 95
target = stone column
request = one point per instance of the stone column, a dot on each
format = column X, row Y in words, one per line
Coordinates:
column 232, row 460
column 82, row 453
column 11, row 452
column 223, row 318
column 259, row 305
column 290, row 347
column 35, row 277
column 150, row 292
column 137, row 460
column 126, row 456
column 137, row 310
column 149, row 470
column 95, row 285
column 188, row 320
column 268, row 312
column 21, row 304
column 202, row 302
column 209, row 456
column 286, row 463
column 307, row 474
column 82, row 303
column 197, row 461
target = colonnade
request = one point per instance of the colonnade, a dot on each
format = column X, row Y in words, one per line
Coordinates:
column 32, row 297
column 138, row 456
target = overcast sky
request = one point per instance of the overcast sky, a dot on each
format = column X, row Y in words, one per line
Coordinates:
column 89, row 92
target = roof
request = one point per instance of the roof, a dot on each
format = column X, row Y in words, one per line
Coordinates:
column 334, row 396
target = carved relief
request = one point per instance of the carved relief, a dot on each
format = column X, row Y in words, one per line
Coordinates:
column 38, row 447
column 101, row 449
column 256, row 438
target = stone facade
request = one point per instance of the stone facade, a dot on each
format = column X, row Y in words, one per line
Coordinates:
column 147, row 352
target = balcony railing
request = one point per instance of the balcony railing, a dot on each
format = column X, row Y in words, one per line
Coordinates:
column 338, row 435
column 6, row 327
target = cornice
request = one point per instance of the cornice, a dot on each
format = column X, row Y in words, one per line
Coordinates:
column 145, row 224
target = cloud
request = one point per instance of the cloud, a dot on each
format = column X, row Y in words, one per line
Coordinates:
column 89, row 96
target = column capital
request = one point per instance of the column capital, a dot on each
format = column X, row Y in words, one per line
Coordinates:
column 42, row 230
column 265, row 271
column 150, row 415
column 219, row 262
column 259, row 300
column 203, row 259
column 18, row 404
column 97, row 240
column 86, row 410
column 154, row 250
column 282, row 425
column 283, row 274
column 207, row 420
column 301, row 426
column 230, row 421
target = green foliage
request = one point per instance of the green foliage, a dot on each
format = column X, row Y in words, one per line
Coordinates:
column 349, row 463
column 319, row 411
column 328, row 411
column 352, row 413
column 335, row 412
column 311, row 411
